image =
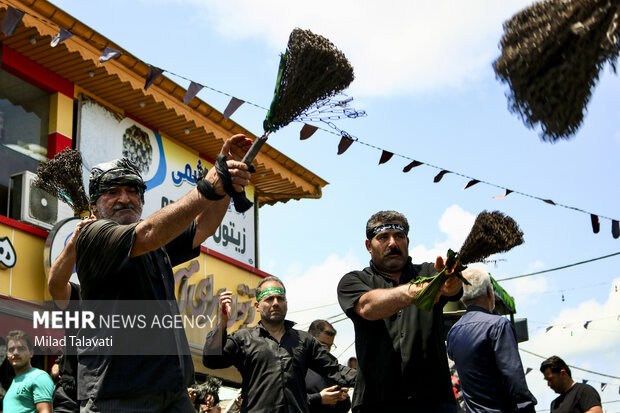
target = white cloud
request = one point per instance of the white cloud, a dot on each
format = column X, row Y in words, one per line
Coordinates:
column 576, row 345
column 527, row 291
column 569, row 337
column 455, row 223
column 316, row 287
column 396, row 47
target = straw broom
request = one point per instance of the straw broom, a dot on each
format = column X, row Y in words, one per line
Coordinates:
column 311, row 71
column 492, row 232
column 552, row 53
column 61, row 177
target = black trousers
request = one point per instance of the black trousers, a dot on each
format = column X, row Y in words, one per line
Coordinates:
column 64, row 399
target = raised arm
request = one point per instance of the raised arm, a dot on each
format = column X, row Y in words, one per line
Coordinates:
column 61, row 270
column 169, row 222
column 385, row 302
column 210, row 218
column 219, row 350
column 327, row 366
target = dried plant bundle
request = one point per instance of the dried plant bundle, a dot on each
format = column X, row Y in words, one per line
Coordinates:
column 492, row 233
column 311, row 70
column 552, row 53
column 62, row 178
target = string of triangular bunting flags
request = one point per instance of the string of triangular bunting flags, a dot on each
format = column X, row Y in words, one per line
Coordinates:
column 603, row 385
column 585, row 324
column 577, row 325
column 13, row 17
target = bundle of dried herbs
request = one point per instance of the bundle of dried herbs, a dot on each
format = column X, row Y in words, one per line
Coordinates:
column 492, row 233
column 62, row 178
column 552, row 53
column 312, row 72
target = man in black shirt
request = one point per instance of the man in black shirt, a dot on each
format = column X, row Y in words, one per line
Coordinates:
column 122, row 259
column 402, row 363
column 324, row 396
column 66, row 296
column 272, row 356
column 574, row 397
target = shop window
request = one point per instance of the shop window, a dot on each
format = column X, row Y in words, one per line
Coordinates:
column 24, row 125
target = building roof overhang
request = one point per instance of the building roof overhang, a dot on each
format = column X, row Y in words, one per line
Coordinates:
column 119, row 84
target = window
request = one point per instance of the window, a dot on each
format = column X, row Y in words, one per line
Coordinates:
column 24, row 125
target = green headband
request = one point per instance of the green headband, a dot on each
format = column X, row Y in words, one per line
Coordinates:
column 269, row 291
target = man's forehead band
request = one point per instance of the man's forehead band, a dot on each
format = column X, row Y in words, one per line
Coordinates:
column 371, row 233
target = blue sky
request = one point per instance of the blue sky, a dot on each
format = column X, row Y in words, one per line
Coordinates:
column 424, row 77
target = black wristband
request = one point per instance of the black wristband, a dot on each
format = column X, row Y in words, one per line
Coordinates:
column 242, row 203
column 206, row 189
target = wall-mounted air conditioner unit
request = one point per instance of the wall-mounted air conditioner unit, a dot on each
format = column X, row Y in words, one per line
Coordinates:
column 33, row 205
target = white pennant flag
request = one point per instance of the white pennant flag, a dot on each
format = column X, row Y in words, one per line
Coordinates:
column 108, row 54
column 60, row 37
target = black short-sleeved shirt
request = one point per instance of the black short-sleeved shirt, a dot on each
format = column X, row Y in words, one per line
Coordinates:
column 401, row 359
column 109, row 277
column 315, row 383
column 579, row 398
column 273, row 372
column 69, row 362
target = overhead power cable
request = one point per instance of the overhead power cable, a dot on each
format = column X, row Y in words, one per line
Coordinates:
column 345, row 350
column 581, row 287
column 312, row 308
column 559, row 268
column 572, row 367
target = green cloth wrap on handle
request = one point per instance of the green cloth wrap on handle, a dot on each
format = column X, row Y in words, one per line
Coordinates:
column 269, row 122
column 270, row 291
column 425, row 299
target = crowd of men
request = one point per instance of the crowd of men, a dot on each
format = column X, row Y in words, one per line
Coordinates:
column 401, row 363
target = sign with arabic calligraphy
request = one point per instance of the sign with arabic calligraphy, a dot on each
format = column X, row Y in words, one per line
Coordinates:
column 170, row 171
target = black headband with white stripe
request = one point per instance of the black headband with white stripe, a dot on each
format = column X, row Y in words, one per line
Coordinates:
column 371, row 233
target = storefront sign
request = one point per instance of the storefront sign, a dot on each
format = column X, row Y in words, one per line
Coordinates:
column 201, row 299
column 7, row 254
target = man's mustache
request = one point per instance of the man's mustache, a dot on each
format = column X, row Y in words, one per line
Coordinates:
column 119, row 207
column 393, row 250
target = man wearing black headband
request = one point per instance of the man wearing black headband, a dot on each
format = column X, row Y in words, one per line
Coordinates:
column 122, row 259
column 272, row 357
column 402, row 363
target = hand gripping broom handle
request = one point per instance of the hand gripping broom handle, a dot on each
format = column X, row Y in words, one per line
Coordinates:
column 254, row 149
column 240, row 200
